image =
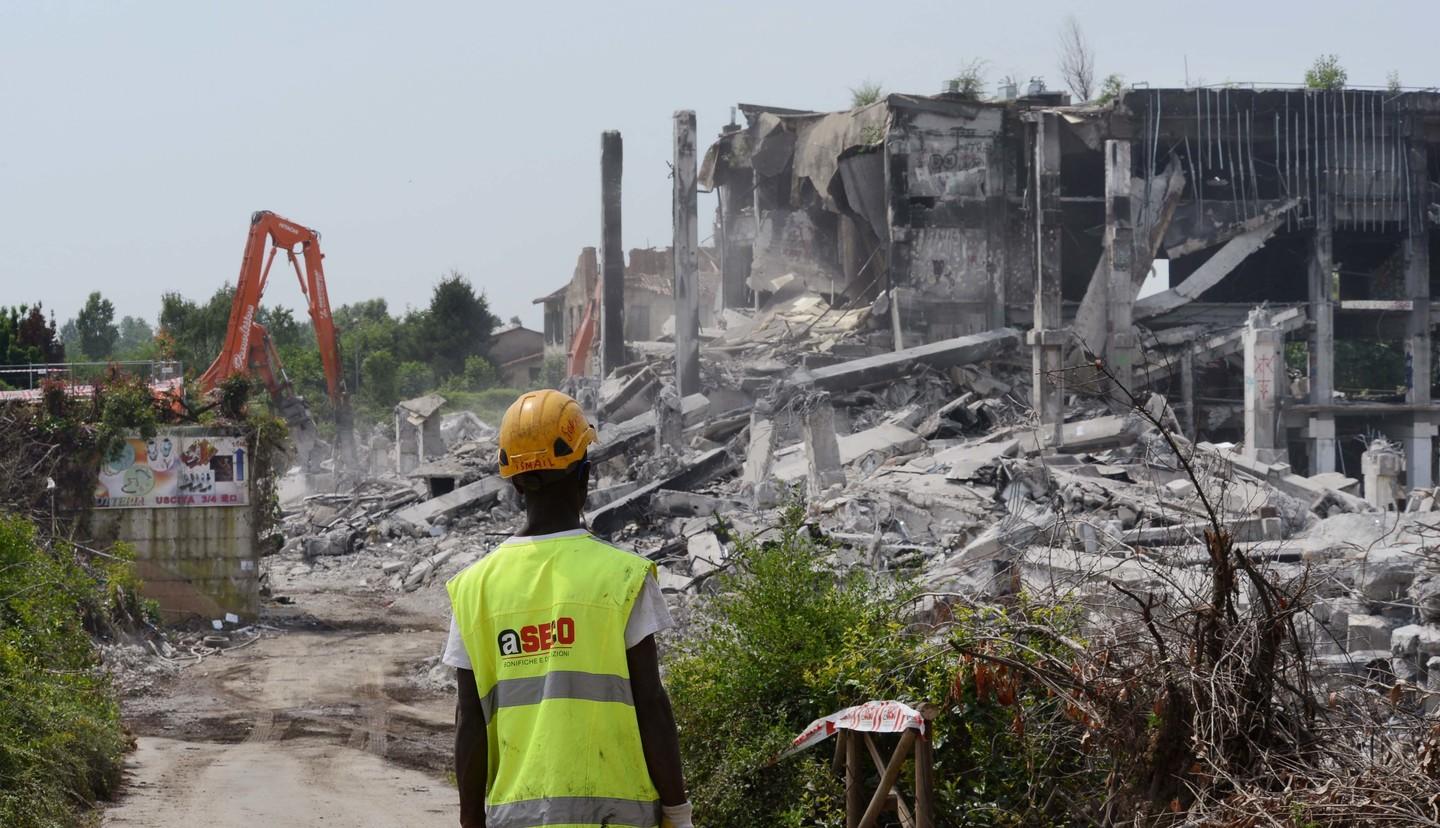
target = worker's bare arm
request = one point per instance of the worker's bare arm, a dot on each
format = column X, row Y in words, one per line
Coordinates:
column 658, row 736
column 471, row 751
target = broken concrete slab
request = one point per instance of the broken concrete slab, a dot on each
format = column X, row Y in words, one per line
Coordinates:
column 1093, row 434
column 964, row 462
column 1336, row 481
column 858, row 373
column 706, row 553
column 884, row 440
column 688, row 504
column 1006, row 538
column 1309, row 490
column 698, row 471
column 615, row 440
column 1209, row 274
column 471, row 495
column 624, row 397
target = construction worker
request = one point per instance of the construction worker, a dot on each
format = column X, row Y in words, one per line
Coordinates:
column 561, row 717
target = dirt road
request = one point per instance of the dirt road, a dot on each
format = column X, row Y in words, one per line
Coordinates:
column 317, row 723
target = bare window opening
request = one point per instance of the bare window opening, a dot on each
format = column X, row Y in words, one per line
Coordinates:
column 1158, row 280
column 1372, row 370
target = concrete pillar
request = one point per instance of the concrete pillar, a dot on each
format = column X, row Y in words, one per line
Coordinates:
column 1419, row 372
column 686, row 254
column 1419, row 441
column 1322, row 347
column 612, row 303
column 1321, row 433
column 735, row 229
column 997, row 233
column 822, row 447
column 1046, row 339
column 756, row 478
column 669, row 421
column 1120, row 284
column 1187, row 392
column 1264, row 382
column 1381, row 466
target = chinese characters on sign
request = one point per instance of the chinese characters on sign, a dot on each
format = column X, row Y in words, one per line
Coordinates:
column 168, row 470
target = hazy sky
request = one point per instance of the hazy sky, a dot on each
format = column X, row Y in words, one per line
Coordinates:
column 137, row 137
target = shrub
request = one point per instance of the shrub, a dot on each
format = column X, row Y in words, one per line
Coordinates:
column 60, row 735
column 790, row 638
column 478, row 375
column 413, row 379
column 554, row 370
column 1326, row 73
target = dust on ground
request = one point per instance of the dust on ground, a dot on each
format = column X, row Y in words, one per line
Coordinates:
column 337, row 714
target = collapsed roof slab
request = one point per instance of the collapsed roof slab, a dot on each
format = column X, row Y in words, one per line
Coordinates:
column 872, row 370
column 1210, row 274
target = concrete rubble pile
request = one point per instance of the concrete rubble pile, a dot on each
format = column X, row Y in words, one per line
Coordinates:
column 927, row 461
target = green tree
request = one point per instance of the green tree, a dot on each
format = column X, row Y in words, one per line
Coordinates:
column 553, row 371
column 413, row 379
column 70, row 337
column 479, row 373
column 197, row 331
column 96, row 325
column 1392, row 82
column 137, row 339
column 27, row 338
column 366, row 328
column 1111, row 89
column 1326, row 73
column 380, row 387
column 285, row 330
column 455, row 326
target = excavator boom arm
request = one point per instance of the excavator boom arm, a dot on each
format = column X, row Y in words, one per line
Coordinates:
column 292, row 237
column 247, row 348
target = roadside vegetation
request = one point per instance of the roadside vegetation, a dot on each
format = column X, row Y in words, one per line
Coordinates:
column 790, row 636
column 61, row 740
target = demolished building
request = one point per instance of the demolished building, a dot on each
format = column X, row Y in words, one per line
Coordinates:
column 978, row 215
column 649, row 296
column 934, row 330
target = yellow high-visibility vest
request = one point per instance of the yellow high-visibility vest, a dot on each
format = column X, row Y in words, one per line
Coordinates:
column 543, row 621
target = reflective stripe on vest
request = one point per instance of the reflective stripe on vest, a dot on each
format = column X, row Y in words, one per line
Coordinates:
column 556, row 684
column 543, row 621
column 573, row 810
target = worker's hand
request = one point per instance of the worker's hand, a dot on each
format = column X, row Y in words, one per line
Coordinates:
column 676, row 816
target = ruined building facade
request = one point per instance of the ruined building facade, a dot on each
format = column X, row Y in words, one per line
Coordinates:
column 1317, row 207
column 649, row 295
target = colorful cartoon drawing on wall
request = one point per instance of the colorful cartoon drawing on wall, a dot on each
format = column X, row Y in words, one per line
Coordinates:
column 139, row 481
column 198, row 453
column 160, row 451
column 122, row 458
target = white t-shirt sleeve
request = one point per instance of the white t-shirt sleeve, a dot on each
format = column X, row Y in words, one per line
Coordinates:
column 650, row 615
column 455, row 654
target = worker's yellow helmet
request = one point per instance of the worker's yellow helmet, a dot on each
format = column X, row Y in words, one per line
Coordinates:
column 543, row 431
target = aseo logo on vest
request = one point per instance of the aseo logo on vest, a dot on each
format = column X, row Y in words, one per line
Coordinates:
column 537, row 638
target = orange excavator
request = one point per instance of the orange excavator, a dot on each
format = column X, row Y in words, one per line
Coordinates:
column 248, row 350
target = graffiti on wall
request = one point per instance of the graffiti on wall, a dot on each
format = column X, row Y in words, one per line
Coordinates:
column 169, row 470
